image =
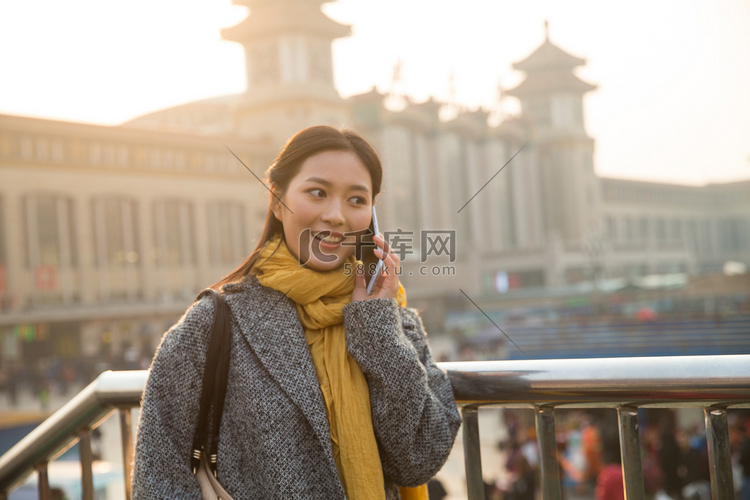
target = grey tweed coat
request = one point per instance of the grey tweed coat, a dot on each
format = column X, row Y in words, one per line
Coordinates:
column 274, row 440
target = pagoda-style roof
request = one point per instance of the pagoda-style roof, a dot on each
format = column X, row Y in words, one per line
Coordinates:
column 549, row 68
column 472, row 123
column 430, row 108
column 269, row 18
column 548, row 56
column 550, row 80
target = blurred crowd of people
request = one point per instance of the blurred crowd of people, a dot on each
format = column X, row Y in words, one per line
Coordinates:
column 45, row 380
column 674, row 458
column 52, row 377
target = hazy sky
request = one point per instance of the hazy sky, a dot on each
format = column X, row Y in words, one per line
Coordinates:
column 673, row 101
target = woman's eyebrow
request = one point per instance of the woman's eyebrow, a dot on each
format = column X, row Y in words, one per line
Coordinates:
column 327, row 183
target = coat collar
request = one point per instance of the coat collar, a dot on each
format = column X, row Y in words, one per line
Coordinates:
column 269, row 322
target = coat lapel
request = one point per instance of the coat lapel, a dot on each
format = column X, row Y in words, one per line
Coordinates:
column 270, row 323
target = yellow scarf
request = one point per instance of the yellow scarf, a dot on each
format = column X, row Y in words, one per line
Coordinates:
column 320, row 298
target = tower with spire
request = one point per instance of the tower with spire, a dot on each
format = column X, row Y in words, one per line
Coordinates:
column 551, row 98
column 289, row 67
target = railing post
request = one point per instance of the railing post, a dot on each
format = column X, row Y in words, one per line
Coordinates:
column 719, row 453
column 126, row 434
column 630, row 453
column 472, row 453
column 547, row 441
column 87, row 460
column 43, row 481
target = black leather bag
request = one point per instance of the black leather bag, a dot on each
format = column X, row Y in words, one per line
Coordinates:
column 213, row 392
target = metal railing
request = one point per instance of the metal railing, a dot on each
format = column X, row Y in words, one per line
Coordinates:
column 110, row 392
column 713, row 383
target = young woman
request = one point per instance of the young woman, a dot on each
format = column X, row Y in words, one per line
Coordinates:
column 332, row 393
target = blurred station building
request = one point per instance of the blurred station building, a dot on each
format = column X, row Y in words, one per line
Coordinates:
column 107, row 233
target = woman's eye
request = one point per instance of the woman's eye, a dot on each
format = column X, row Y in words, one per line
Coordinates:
column 317, row 192
column 359, row 200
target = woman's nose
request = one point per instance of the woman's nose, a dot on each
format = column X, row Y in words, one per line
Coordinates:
column 333, row 214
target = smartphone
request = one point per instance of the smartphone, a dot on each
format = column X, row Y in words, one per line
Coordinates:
column 380, row 264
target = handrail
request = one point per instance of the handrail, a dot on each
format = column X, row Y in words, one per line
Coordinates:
column 714, row 383
column 85, row 411
column 658, row 381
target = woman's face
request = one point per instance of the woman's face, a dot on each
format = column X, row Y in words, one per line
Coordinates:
column 327, row 201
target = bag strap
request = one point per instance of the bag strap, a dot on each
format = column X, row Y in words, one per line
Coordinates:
column 214, row 387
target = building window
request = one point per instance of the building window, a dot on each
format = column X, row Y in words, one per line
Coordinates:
column 226, row 230
column 643, row 228
column 210, row 162
column 661, row 229
column 42, row 149
column 116, row 232
column 264, row 63
column 154, row 158
column 57, row 151
column 108, row 154
column 174, row 224
column 320, row 62
column 95, row 153
column 50, row 237
column 629, row 229
column 692, row 235
column 3, row 255
column 27, row 148
column 744, row 229
column 611, row 228
column 706, row 236
column 180, row 160
column 677, row 229
column 123, row 156
column 540, row 111
column 729, row 234
column 293, row 59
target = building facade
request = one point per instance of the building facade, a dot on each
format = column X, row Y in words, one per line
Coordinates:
column 107, row 233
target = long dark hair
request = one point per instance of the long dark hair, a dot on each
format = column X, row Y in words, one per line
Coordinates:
column 300, row 147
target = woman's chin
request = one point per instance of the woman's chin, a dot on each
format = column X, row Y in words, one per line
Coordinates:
column 324, row 266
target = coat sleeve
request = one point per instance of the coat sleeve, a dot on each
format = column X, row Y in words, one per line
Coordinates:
column 413, row 408
column 169, row 412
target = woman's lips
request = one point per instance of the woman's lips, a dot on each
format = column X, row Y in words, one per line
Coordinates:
column 329, row 240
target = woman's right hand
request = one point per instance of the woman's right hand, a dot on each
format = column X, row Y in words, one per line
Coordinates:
column 386, row 285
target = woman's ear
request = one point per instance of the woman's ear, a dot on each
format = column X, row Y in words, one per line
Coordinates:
column 276, row 206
